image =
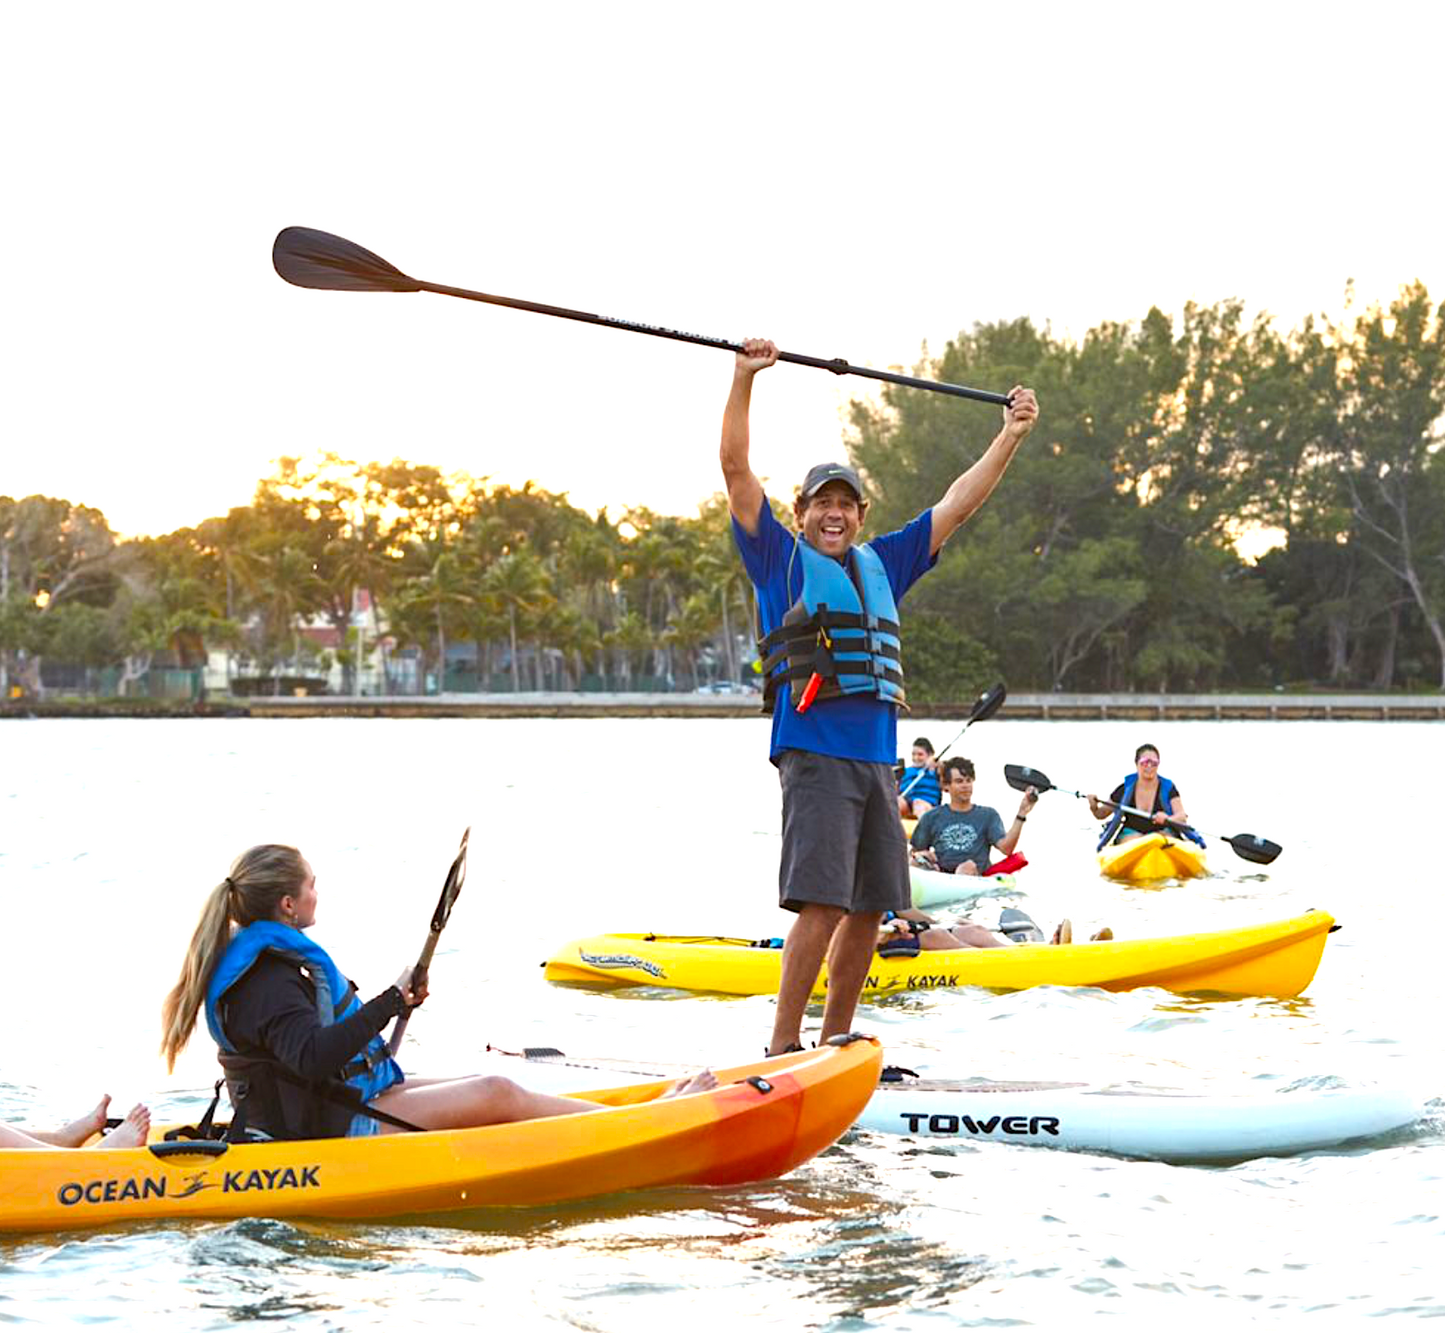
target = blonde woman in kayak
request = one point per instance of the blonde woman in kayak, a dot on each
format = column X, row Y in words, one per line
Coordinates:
column 302, row 1055
column 1144, row 789
column 130, row 1133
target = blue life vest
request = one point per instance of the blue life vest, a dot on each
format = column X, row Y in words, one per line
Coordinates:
column 844, row 626
column 1166, row 797
column 373, row 1071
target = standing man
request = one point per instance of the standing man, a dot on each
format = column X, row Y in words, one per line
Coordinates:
column 831, row 638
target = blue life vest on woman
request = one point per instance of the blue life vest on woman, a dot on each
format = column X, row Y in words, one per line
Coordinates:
column 1166, row 797
column 373, row 1071
column 843, row 627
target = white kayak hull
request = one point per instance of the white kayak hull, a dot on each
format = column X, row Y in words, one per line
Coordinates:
column 1149, row 1123
column 933, row 888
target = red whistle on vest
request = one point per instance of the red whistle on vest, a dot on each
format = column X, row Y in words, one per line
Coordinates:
column 815, row 683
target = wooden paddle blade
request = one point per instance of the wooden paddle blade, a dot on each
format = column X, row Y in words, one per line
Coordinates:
column 1021, row 778
column 1259, row 850
column 989, row 702
column 306, row 257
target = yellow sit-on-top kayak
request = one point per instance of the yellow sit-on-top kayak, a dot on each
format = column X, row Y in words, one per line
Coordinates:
column 1152, row 856
column 763, row 1119
column 1278, row 958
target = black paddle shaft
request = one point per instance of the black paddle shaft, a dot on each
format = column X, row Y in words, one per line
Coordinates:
column 985, row 706
column 1249, row 846
column 306, row 257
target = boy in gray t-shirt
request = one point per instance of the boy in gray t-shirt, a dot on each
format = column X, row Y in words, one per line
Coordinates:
column 957, row 837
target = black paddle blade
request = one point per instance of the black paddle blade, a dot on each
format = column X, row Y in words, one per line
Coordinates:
column 989, row 702
column 1021, row 778
column 1259, row 850
column 456, row 877
column 310, row 258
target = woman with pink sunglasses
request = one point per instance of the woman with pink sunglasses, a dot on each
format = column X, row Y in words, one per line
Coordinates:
column 1144, row 789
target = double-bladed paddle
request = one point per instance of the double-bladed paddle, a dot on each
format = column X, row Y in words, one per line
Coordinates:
column 306, row 257
column 984, row 707
column 456, row 877
column 1248, row 845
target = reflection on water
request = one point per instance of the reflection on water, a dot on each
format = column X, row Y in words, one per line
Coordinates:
column 103, row 887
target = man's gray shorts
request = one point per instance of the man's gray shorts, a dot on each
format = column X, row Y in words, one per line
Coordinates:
column 842, row 837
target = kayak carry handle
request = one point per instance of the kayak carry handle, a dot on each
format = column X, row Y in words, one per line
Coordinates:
column 190, row 1148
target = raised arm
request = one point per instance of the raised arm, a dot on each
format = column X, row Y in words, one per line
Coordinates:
column 973, row 487
column 745, row 491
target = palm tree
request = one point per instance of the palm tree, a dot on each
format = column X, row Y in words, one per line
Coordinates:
column 516, row 583
column 692, row 625
column 289, row 592
column 443, row 592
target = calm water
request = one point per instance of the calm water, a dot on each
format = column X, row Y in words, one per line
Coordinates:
column 111, row 832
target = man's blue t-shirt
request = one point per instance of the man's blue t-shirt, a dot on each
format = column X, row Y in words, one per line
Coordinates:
column 855, row 726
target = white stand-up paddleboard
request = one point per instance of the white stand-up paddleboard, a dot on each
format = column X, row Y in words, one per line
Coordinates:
column 1139, row 1122
column 1156, row 1123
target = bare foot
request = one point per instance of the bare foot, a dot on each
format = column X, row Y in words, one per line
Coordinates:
column 703, row 1081
column 1103, row 933
column 131, row 1132
column 1063, row 932
column 77, row 1131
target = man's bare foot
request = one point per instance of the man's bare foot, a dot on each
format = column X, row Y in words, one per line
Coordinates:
column 131, row 1132
column 1063, row 932
column 703, row 1081
column 77, row 1131
column 1103, row 933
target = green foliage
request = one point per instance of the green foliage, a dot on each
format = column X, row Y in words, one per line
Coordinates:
column 942, row 663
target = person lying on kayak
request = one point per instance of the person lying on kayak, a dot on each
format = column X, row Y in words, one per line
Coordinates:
column 956, row 837
column 1145, row 789
column 130, row 1133
column 929, row 933
column 919, row 781
column 302, row 1055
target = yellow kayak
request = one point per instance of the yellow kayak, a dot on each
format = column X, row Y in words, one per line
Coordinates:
column 1152, row 856
column 1278, row 958
column 763, row 1119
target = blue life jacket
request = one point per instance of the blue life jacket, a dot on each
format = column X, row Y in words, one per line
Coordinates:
column 370, row 1073
column 1166, row 797
column 926, row 788
column 844, row 626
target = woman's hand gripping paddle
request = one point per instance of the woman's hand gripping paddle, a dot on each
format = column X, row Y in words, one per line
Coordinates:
column 986, row 705
column 456, row 877
column 306, row 257
column 1251, row 847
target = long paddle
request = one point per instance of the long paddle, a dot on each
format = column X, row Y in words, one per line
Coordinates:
column 456, row 877
column 985, row 706
column 306, row 257
column 1248, row 845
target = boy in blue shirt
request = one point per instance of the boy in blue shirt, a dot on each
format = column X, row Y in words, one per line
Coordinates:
column 836, row 682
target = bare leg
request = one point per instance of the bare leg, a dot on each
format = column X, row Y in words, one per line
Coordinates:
column 803, row 952
column 77, row 1131
column 965, row 935
column 488, row 1099
column 848, row 961
column 131, row 1133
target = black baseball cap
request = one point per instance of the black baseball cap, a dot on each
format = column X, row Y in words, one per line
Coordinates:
column 822, row 473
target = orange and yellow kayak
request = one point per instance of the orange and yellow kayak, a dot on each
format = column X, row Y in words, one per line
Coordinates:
column 763, row 1120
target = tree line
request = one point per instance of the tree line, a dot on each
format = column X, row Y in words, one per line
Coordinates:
column 1106, row 560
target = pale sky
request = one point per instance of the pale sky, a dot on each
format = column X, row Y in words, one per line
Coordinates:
column 849, row 179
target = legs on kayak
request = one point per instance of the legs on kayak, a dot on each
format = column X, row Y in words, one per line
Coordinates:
column 130, row 1133
column 488, row 1099
column 930, row 934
